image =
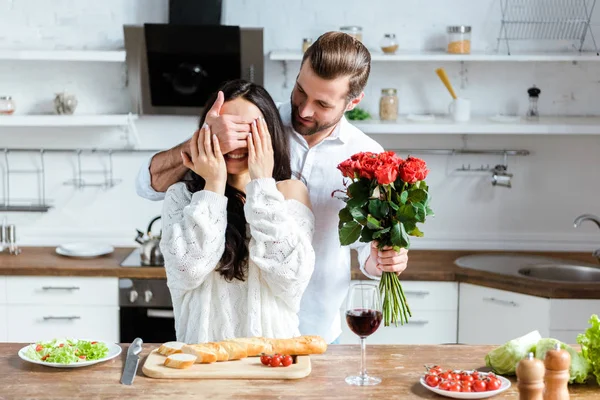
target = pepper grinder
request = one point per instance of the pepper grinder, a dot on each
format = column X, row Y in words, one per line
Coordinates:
column 530, row 378
column 557, row 363
column 533, row 113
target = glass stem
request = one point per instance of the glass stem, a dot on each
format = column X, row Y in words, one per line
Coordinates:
column 363, row 357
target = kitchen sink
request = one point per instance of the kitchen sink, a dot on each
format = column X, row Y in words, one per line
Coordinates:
column 562, row 273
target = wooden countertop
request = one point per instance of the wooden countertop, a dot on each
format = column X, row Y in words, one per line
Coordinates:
column 399, row 366
column 423, row 265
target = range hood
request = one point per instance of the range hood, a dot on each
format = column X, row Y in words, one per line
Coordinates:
column 173, row 68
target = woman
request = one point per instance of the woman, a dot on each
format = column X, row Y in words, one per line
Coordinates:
column 237, row 237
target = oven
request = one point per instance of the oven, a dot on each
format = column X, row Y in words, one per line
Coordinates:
column 146, row 310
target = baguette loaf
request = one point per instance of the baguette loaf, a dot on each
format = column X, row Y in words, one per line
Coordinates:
column 180, row 360
column 204, row 354
column 166, row 349
column 298, row 346
column 254, row 346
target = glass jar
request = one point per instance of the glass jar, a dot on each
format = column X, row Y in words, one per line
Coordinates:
column 459, row 39
column 388, row 105
column 7, row 105
column 389, row 44
column 354, row 31
column 306, row 42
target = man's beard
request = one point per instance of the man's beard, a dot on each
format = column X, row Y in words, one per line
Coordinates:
column 309, row 131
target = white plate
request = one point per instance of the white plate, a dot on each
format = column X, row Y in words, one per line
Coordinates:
column 420, row 117
column 84, row 249
column 113, row 351
column 470, row 395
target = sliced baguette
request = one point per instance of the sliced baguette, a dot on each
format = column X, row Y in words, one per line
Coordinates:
column 204, row 354
column 180, row 360
column 166, row 349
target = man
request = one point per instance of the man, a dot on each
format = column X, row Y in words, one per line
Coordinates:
column 332, row 77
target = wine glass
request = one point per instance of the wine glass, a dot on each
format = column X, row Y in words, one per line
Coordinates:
column 363, row 315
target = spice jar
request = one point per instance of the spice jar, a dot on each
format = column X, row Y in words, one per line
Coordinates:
column 388, row 105
column 354, row 31
column 459, row 39
column 388, row 44
column 7, row 105
column 306, row 42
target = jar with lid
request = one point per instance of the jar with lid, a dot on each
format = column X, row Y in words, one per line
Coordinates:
column 7, row 105
column 354, row 31
column 388, row 105
column 306, row 42
column 459, row 39
column 389, row 44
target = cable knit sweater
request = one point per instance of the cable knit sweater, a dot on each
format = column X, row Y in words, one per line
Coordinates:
column 281, row 261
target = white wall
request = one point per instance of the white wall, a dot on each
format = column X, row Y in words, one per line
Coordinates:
column 551, row 187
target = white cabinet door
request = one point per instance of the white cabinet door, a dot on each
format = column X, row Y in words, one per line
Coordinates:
column 3, row 324
column 62, row 290
column 35, row 323
column 2, row 290
column 492, row 316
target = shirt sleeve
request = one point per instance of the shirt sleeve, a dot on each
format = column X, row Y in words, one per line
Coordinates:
column 363, row 250
column 281, row 240
column 193, row 238
column 143, row 183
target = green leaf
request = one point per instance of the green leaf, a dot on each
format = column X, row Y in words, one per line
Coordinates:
column 345, row 215
column 377, row 234
column 357, row 202
column 405, row 238
column 397, row 234
column 420, row 212
column 384, row 209
column 373, row 223
column 429, row 212
column 417, row 196
column 349, row 233
column 403, row 197
column 375, row 208
column 415, row 232
column 359, row 215
column 359, row 189
column 406, row 212
column 367, row 235
column 393, row 205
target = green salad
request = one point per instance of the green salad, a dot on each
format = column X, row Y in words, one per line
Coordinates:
column 66, row 351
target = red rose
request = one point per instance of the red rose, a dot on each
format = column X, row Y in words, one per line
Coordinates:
column 413, row 169
column 347, row 168
column 386, row 173
column 368, row 165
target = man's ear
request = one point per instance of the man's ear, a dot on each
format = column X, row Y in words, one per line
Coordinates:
column 354, row 102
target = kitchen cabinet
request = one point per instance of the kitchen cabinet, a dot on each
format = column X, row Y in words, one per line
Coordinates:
column 2, row 290
column 3, row 317
column 493, row 316
column 569, row 317
column 41, row 308
column 434, row 307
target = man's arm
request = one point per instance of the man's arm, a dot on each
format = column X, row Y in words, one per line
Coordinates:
column 166, row 168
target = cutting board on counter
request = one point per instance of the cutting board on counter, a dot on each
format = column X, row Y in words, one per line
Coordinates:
column 247, row 368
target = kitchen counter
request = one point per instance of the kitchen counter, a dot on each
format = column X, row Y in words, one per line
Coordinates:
column 423, row 265
column 400, row 367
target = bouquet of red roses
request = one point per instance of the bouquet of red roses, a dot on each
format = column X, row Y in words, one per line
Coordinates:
column 388, row 196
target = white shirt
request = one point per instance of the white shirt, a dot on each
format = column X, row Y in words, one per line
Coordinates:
column 328, row 286
column 281, row 260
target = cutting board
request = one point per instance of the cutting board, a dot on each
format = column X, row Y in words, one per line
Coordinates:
column 247, row 368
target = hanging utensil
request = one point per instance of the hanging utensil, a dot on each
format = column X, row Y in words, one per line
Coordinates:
column 444, row 77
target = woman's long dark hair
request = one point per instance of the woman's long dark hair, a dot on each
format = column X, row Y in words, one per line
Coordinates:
column 235, row 257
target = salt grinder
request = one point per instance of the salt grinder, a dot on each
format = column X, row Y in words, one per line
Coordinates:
column 530, row 378
column 557, row 364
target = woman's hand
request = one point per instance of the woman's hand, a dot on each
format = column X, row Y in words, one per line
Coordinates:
column 207, row 160
column 386, row 260
column 260, row 151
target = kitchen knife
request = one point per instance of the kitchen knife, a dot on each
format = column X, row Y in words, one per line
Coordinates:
column 132, row 361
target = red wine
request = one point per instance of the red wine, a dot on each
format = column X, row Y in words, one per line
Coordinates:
column 363, row 322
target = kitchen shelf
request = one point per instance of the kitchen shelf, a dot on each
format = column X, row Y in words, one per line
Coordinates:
column 440, row 56
column 63, row 55
column 483, row 125
column 66, row 120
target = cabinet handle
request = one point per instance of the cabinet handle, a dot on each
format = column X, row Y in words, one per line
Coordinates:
column 60, row 287
column 152, row 313
column 499, row 301
column 50, row 317
column 418, row 322
column 416, row 293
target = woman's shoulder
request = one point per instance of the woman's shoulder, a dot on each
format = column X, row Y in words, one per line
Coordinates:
column 177, row 191
column 293, row 189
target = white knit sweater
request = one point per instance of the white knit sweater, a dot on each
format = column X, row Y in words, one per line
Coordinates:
column 281, row 261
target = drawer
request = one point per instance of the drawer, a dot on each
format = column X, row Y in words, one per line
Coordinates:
column 62, row 290
column 2, row 290
column 35, row 323
column 569, row 314
column 425, row 327
column 3, row 324
column 435, row 296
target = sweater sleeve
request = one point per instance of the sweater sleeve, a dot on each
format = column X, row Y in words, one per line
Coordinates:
column 281, row 240
column 193, row 237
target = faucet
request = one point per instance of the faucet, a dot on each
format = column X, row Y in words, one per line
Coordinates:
column 594, row 219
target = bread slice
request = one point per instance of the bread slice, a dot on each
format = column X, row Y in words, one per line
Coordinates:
column 166, row 349
column 204, row 354
column 180, row 360
column 254, row 346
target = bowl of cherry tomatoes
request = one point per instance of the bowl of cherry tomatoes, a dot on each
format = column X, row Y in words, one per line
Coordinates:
column 463, row 384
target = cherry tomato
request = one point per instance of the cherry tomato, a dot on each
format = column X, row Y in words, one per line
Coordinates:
column 265, row 359
column 455, row 387
column 432, row 380
column 286, row 361
column 39, row 347
column 275, row 361
column 82, row 357
column 436, row 369
column 447, row 375
column 493, row 384
column 466, row 388
column 466, row 377
column 475, row 375
column 445, row 385
column 479, row 386
column 61, row 345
